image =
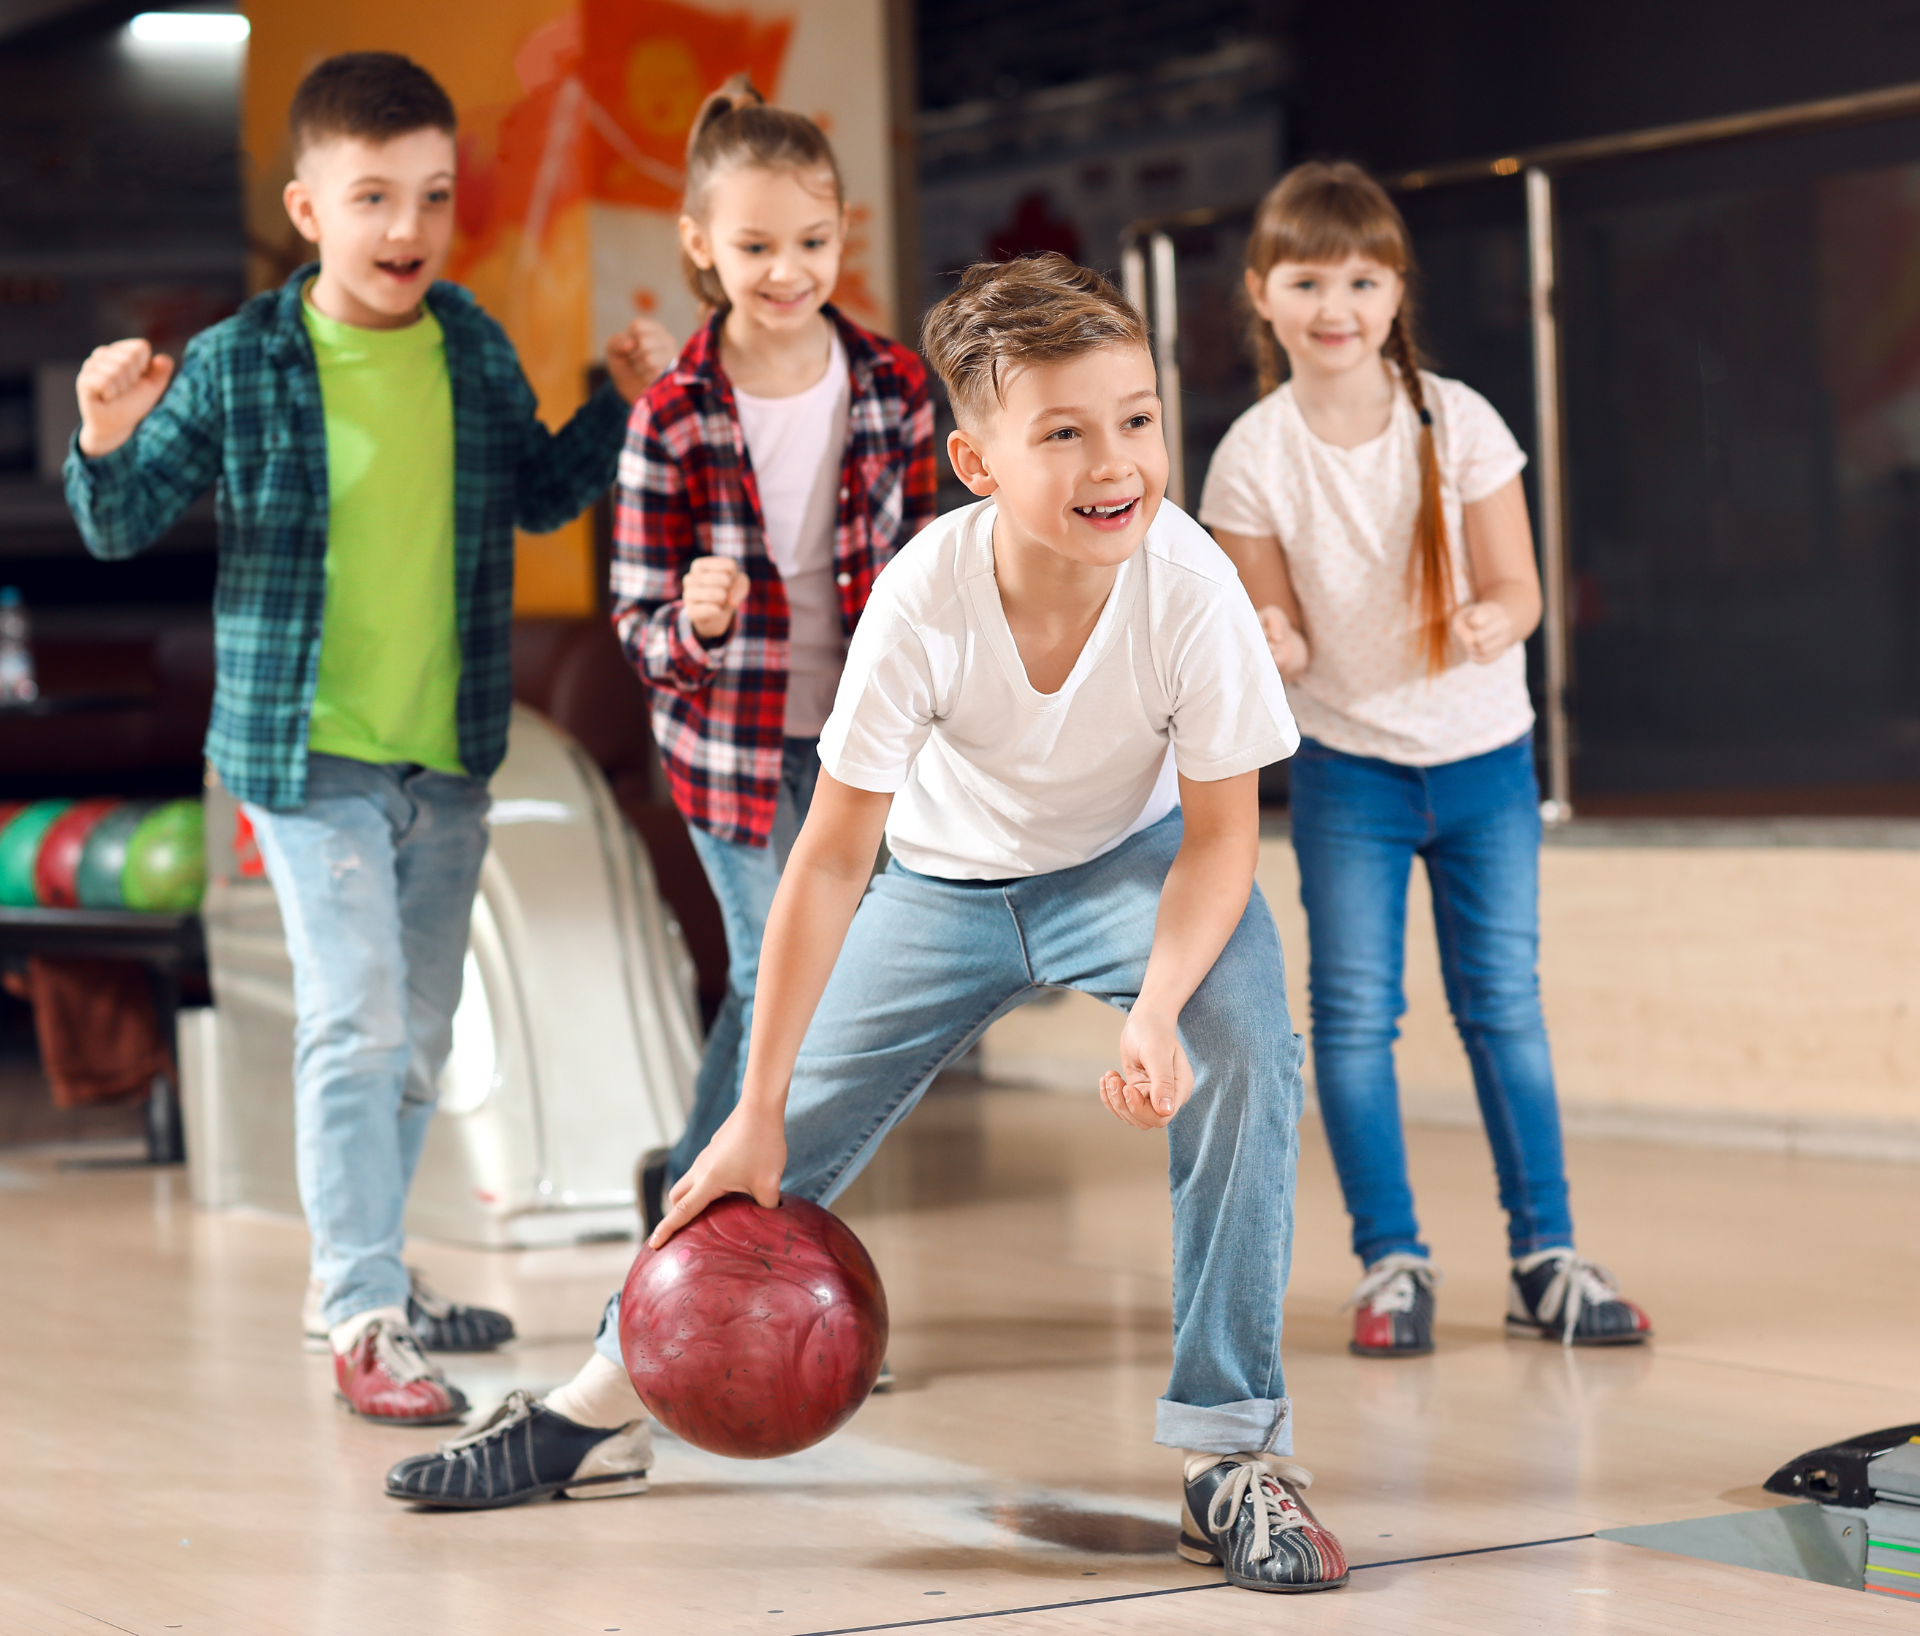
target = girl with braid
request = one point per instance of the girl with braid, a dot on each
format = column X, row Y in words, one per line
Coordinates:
column 1376, row 515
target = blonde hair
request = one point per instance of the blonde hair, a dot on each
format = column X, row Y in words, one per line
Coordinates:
column 1320, row 213
column 736, row 127
column 1040, row 309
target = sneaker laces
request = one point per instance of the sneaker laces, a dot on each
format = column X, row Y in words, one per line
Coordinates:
column 517, row 1407
column 1577, row 1284
column 396, row 1350
column 1256, row 1480
column 1392, row 1283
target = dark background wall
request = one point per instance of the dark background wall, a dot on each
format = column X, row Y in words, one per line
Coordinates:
column 1054, row 126
column 1401, row 84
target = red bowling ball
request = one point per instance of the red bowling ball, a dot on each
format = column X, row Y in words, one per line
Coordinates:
column 56, row 870
column 754, row 1332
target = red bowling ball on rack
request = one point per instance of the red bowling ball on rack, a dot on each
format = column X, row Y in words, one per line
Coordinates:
column 754, row 1332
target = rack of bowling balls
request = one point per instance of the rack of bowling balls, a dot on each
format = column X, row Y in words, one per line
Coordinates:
column 145, row 856
column 111, row 879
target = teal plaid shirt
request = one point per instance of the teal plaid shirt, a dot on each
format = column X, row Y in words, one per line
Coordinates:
column 243, row 414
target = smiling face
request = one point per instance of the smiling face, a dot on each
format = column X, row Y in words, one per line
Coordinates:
column 1329, row 317
column 1073, row 454
column 773, row 237
column 382, row 215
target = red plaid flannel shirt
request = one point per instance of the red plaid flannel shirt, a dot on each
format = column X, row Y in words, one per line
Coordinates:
column 686, row 489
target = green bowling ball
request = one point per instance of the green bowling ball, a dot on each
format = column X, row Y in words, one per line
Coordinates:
column 104, row 860
column 20, row 847
column 167, row 860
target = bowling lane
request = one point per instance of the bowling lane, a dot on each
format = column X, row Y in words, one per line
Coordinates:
column 174, row 1461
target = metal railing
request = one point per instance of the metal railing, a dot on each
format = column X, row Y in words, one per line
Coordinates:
column 1151, row 279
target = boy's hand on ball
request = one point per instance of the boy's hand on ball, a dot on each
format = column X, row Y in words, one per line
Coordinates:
column 639, row 355
column 1155, row 1078
column 1284, row 642
column 712, row 590
column 1484, row 630
column 118, row 386
column 746, row 1155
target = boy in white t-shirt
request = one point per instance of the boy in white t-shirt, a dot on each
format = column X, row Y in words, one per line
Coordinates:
column 1055, row 705
column 1006, row 714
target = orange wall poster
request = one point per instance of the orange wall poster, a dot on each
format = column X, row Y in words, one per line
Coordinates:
column 573, row 126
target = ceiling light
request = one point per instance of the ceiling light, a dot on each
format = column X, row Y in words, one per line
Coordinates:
column 189, row 28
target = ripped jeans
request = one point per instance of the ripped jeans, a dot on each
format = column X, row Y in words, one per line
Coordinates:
column 375, row 876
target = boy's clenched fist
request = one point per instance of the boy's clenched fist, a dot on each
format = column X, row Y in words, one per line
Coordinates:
column 118, row 385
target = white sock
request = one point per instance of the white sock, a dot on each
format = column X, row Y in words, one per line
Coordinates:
column 600, row 1395
column 341, row 1336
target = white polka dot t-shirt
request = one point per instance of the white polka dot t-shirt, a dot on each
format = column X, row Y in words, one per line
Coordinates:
column 1344, row 518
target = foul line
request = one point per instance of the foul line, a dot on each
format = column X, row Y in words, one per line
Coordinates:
column 1176, row 1590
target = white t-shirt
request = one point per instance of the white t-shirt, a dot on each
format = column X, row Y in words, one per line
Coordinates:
column 797, row 445
column 1345, row 519
column 993, row 781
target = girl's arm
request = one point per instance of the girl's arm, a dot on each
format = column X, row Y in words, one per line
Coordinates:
column 922, row 478
column 1263, row 571
column 821, row 887
column 658, row 570
column 1506, row 579
column 1201, row 902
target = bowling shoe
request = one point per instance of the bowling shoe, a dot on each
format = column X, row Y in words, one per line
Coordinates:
column 446, row 1326
column 439, row 1325
column 1393, row 1308
column 384, row 1376
column 1557, row 1296
column 1244, row 1513
column 522, row 1451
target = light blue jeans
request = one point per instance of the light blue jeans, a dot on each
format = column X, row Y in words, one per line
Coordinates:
column 375, row 877
column 1358, row 824
column 929, row 964
column 743, row 879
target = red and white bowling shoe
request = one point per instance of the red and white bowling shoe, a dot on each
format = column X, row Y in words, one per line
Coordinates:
column 383, row 1375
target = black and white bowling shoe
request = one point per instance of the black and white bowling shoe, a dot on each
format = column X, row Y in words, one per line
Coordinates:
column 1555, row 1295
column 525, row 1451
column 446, row 1326
column 438, row 1324
column 1245, row 1514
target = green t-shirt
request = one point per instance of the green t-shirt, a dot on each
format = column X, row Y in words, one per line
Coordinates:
column 390, row 644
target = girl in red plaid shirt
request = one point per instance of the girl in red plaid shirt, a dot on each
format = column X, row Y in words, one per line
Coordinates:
column 767, row 477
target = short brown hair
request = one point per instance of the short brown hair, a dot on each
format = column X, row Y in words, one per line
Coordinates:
column 374, row 95
column 1040, row 309
column 736, row 127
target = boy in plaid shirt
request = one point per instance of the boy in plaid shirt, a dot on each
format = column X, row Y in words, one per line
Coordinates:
column 374, row 444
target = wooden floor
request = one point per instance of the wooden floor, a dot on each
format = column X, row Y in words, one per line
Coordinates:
column 170, row 1460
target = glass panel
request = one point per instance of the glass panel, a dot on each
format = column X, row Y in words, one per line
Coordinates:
column 1742, row 342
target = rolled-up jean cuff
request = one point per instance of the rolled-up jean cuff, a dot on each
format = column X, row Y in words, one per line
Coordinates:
column 1259, row 1425
column 606, row 1340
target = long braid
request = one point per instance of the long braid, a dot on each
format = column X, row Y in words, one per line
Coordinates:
column 1430, row 563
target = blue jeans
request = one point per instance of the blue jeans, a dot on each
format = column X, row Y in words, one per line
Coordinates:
column 1357, row 826
column 929, row 964
column 743, row 879
column 375, row 877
